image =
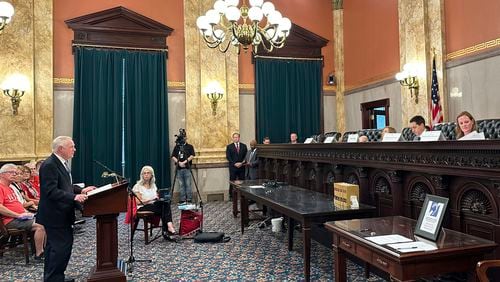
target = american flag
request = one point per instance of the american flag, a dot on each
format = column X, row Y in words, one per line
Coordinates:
column 437, row 111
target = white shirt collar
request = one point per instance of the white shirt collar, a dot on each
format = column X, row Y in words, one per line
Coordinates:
column 63, row 161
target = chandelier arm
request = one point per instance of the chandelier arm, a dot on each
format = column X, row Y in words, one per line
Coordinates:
column 211, row 44
column 224, row 49
column 263, row 43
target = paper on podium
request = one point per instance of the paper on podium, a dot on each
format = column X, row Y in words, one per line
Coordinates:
column 100, row 189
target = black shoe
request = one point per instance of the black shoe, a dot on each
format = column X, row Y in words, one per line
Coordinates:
column 171, row 236
column 39, row 258
column 69, row 280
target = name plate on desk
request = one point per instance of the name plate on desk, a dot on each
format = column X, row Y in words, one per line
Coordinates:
column 329, row 139
column 474, row 136
column 308, row 140
column 392, row 137
column 432, row 136
column 352, row 138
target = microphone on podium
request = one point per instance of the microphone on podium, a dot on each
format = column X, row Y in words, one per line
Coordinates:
column 108, row 172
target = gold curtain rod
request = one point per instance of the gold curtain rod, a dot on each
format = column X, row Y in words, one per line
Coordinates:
column 289, row 58
column 118, row 47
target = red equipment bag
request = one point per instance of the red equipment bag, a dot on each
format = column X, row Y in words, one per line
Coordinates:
column 190, row 222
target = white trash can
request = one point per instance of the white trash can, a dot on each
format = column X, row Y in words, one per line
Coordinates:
column 276, row 224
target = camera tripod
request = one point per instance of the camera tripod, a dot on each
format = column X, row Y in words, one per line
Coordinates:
column 200, row 201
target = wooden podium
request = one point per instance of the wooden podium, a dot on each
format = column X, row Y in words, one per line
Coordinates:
column 105, row 207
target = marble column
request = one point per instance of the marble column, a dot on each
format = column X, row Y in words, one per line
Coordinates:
column 209, row 133
column 421, row 35
column 338, row 47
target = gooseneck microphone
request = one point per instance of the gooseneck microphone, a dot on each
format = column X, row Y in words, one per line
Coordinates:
column 107, row 171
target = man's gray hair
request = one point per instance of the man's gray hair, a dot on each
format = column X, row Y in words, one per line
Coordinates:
column 59, row 141
column 8, row 167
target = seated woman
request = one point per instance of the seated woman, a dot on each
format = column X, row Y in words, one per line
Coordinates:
column 31, row 194
column 147, row 192
column 466, row 124
column 387, row 129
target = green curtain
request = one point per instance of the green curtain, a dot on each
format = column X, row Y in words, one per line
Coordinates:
column 146, row 131
column 97, row 113
column 288, row 98
column 120, row 109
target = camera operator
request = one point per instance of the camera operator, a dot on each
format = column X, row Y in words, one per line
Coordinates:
column 183, row 155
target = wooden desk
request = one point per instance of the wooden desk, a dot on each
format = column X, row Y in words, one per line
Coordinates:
column 456, row 251
column 305, row 206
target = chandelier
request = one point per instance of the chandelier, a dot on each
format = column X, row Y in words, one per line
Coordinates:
column 247, row 27
column 6, row 12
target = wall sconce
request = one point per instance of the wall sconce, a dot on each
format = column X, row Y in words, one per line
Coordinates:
column 6, row 13
column 15, row 87
column 409, row 78
column 331, row 79
column 214, row 93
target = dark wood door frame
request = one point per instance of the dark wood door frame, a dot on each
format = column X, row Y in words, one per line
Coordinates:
column 365, row 111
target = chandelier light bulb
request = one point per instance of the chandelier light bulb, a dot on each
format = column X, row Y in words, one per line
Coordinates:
column 267, row 8
column 255, row 14
column 202, row 23
column 233, row 3
column 285, row 25
column 256, row 3
column 213, row 17
column 6, row 10
column 220, row 6
column 219, row 34
column 233, row 14
column 274, row 17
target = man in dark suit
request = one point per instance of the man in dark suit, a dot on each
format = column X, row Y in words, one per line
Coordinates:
column 235, row 154
column 56, row 210
column 252, row 161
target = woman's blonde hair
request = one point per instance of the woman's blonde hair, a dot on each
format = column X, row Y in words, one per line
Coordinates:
column 141, row 180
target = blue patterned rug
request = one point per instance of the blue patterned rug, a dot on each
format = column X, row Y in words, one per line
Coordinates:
column 257, row 255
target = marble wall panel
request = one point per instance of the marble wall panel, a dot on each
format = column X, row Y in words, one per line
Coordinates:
column 475, row 87
column 329, row 113
column 392, row 91
column 27, row 50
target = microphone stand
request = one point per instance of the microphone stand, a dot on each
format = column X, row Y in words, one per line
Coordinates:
column 131, row 259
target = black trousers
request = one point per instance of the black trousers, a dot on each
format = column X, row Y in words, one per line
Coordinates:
column 161, row 209
column 57, row 253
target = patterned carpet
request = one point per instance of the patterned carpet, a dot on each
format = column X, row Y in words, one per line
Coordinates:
column 257, row 255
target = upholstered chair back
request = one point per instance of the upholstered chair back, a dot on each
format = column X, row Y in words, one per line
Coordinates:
column 374, row 135
column 448, row 129
column 334, row 134
column 407, row 134
column 490, row 127
column 346, row 135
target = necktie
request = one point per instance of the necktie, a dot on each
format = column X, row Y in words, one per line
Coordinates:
column 237, row 148
column 66, row 166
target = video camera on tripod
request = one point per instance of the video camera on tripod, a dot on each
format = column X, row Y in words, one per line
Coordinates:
column 181, row 137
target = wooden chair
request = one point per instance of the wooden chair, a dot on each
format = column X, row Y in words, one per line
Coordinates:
column 11, row 238
column 483, row 273
column 149, row 221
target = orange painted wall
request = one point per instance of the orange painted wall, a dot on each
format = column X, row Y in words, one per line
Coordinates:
column 371, row 41
column 471, row 22
column 168, row 12
column 316, row 16
column 313, row 15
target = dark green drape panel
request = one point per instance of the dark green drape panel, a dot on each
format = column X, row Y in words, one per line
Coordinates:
column 288, row 98
column 146, row 130
column 97, row 113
